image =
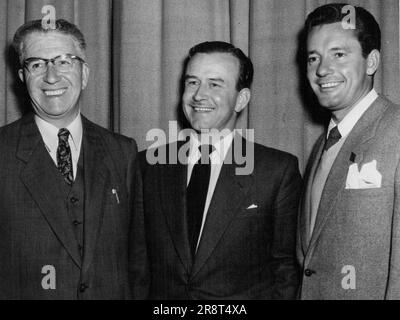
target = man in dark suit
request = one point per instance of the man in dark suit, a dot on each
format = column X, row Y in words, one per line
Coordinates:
column 212, row 230
column 67, row 184
column 348, row 238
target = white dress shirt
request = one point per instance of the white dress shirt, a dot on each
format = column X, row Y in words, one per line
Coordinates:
column 49, row 135
column 349, row 121
column 216, row 159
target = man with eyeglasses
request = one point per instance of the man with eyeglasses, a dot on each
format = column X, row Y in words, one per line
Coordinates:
column 66, row 204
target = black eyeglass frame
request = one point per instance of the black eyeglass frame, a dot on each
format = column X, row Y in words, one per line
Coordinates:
column 52, row 60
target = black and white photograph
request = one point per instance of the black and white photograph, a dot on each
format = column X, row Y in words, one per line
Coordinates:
column 200, row 155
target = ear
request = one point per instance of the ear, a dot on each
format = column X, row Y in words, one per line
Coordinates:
column 21, row 75
column 373, row 60
column 85, row 75
column 242, row 100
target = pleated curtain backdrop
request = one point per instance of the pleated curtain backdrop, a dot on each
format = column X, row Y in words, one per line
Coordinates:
column 136, row 49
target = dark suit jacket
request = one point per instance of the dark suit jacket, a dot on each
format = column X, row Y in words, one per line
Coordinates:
column 35, row 230
column 244, row 253
column 357, row 231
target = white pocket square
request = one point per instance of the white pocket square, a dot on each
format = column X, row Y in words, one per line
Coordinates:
column 367, row 178
column 253, row 206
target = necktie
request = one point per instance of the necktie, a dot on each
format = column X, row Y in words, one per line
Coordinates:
column 196, row 195
column 64, row 158
column 321, row 174
column 333, row 137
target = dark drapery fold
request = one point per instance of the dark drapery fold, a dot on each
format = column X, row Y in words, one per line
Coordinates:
column 136, row 50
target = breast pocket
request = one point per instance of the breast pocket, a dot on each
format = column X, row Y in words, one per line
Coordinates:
column 370, row 210
column 117, row 211
column 249, row 213
column 117, row 196
column 357, row 199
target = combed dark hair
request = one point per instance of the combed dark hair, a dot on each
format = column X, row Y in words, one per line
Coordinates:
column 246, row 69
column 367, row 29
column 61, row 26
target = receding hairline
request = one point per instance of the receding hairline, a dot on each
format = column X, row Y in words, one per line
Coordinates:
column 216, row 53
column 49, row 32
column 235, row 58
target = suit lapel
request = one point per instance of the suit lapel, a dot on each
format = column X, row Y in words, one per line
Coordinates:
column 357, row 140
column 96, row 169
column 173, row 180
column 43, row 181
column 222, row 210
column 305, row 205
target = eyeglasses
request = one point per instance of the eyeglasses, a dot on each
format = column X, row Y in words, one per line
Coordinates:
column 62, row 63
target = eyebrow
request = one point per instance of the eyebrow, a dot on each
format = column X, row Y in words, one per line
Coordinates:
column 217, row 79
column 338, row 48
column 188, row 76
column 36, row 58
column 331, row 49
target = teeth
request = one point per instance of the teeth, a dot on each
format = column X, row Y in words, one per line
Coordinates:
column 202, row 109
column 329, row 85
column 54, row 92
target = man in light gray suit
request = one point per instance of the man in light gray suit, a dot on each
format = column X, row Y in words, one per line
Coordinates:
column 348, row 234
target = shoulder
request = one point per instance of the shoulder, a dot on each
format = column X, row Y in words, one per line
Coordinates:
column 267, row 156
column 10, row 132
column 272, row 153
column 389, row 121
column 159, row 155
column 385, row 101
column 389, row 110
column 11, row 127
column 273, row 166
column 264, row 162
column 114, row 141
column 392, row 110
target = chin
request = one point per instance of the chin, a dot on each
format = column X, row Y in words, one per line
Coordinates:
column 202, row 127
column 326, row 103
column 196, row 128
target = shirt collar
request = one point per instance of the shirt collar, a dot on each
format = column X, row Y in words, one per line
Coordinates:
column 221, row 147
column 349, row 121
column 49, row 133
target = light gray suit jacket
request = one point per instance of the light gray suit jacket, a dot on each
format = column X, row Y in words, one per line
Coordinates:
column 354, row 251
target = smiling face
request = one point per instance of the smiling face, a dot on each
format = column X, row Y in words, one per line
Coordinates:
column 338, row 73
column 210, row 99
column 54, row 95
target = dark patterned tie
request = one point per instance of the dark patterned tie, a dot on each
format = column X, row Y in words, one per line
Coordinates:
column 64, row 158
column 333, row 137
column 196, row 195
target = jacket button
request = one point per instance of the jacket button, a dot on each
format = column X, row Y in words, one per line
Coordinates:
column 308, row 272
column 83, row 287
column 74, row 200
column 76, row 223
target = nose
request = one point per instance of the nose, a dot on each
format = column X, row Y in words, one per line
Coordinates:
column 51, row 75
column 324, row 68
column 201, row 93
